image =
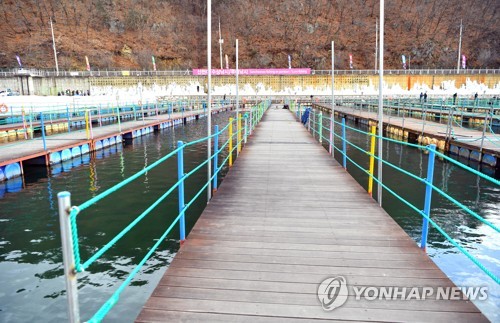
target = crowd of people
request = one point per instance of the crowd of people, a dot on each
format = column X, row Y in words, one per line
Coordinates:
column 69, row 92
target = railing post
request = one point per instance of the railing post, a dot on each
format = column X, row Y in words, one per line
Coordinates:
column 180, row 177
column 344, row 150
column 99, row 115
column 428, row 195
column 230, row 142
column 372, row 159
column 69, row 118
column 246, row 129
column 64, row 203
column 332, row 138
column 320, row 126
column 309, row 121
column 250, row 120
column 238, row 147
column 43, row 131
column 118, row 115
column 216, row 155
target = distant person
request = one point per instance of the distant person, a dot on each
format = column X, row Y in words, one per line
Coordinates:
column 455, row 99
column 421, row 97
column 425, row 97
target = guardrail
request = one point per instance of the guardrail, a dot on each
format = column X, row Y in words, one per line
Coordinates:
column 315, row 124
column 188, row 72
column 73, row 264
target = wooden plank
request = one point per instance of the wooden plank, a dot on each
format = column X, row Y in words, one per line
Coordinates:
column 285, row 218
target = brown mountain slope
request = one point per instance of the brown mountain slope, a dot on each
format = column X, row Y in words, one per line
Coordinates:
column 126, row 33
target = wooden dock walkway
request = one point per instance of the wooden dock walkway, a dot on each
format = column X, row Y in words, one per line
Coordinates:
column 287, row 217
column 19, row 151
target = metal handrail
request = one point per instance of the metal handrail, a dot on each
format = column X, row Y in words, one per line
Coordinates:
column 317, row 129
column 188, row 72
column 68, row 214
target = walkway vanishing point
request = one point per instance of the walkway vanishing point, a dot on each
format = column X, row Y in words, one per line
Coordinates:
column 287, row 217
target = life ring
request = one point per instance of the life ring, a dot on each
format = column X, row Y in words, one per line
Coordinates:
column 4, row 108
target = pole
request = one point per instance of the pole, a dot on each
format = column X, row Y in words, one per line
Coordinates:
column 43, row 131
column 180, row 177
column 428, row 195
column 237, row 81
column 54, row 46
column 376, row 43
column 332, row 116
column 64, row 203
column 380, row 103
column 372, row 160
column 221, row 41
column 209, row 100
column 459, row 47
column 230, row 142
column 216, row 149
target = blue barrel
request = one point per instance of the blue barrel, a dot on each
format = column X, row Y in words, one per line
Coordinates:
column 75, row 152
column 55, row 157
column 2, row 175
column 98, row 145
column 12, row 170
column 85, row 149
column 112, row 141
column 475, row 155
column 144, row 131
column 489, row 160
column 105, row 142
column 454, row 150
column 14, row 185
column 137, row 133
column 464, row 152
column 66, row 154
column 119, row 139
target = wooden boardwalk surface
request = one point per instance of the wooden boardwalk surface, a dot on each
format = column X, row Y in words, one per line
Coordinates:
column 286, row 217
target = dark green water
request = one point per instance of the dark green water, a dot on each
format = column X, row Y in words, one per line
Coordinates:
column 30, row 258
column 30, row 248
column 479, row 195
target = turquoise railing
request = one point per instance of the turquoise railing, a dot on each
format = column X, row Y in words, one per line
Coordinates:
column 316, row 126
column 73, row 263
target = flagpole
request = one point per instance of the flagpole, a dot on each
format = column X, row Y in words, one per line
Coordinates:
column 221, row 41
column 209, row 103
column 54, row 45
column 380, row 103
column 459, row 47
column 376, row 42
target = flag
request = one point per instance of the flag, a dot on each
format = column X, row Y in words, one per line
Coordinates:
column 350, row 61
column 19, row 61
column 289, row 61
column 227, row 63
column 87, row 61
column 154, row 63
column 464, row 61
column 403, row 58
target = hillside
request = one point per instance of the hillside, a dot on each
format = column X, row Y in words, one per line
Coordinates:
column 126, row 33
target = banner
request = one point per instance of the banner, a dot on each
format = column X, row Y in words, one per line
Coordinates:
column 289, row 61
column 154, row 63
column 255, row 71
column 87, row 61
column 350, row 61
column 227, row 62
column 19, row 61
column 464, row 61
column 403, row 58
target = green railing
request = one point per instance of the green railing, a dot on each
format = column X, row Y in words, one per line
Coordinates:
column 74, row 264
column 315, row 123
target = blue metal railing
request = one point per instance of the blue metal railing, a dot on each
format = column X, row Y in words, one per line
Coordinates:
column 317, row 131
column 68, row 215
